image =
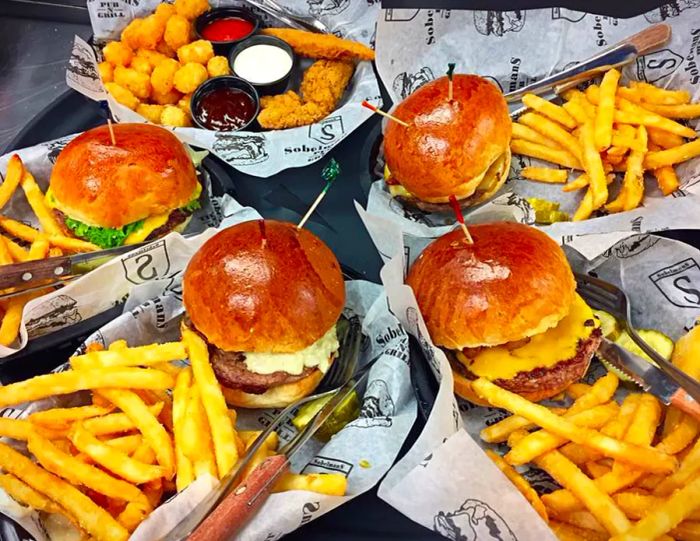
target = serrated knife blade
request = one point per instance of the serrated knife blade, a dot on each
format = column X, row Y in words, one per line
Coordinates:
column 649, row 377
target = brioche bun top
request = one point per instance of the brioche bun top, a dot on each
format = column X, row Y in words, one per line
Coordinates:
column 511, row 283
column 263, row 286
column 147, row 172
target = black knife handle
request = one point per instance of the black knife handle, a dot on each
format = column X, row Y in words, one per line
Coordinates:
column 30, row 272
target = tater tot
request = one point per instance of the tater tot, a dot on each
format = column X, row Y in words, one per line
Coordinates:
column 152, row 31
column 189, row 77
column 163, row 74
column 174, row 116
column 178, row 32
column 138, row 83
column 106, row 72
column 117, row 53
column 199, row 51
column 122, row 95
column 131, row 35
column 191, row 8
column 154, row 57
column 140, row 64
column 166, row 98
column 166, row 50
column 184, row 103
column 164, row 11
column 218, row 65
column 150, row 112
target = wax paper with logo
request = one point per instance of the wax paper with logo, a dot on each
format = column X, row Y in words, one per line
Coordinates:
column 515, row 48
column 257, row 153
column 363, row 450
column 434, row 484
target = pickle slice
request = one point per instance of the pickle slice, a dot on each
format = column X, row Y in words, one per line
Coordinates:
column 657, row 340
column 347, row 411
column 547, row 212
column 608, row 324
column 387, row 173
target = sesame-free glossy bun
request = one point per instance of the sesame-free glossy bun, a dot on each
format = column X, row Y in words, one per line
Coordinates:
column 513, row 282
column 147, row 172
column 264, row 286
column 447, row 145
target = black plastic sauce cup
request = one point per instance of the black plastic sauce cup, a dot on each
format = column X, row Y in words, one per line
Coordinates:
column 272, row 87
column 223, row 48
column 225, row 81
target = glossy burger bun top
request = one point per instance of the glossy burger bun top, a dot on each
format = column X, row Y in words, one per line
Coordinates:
column 447, row 144
column 148, row 172
column 264, row 286
column 511, row 283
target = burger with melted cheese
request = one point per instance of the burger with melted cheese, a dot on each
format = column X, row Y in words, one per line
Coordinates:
column 457, row 147
column 141, row 188
column 266, row 297
column 505, row 308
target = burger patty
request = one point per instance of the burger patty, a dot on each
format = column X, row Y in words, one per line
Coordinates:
column 231, row 371
column 553, row 377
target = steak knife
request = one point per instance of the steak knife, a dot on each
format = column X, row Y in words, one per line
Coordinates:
column 649, row 377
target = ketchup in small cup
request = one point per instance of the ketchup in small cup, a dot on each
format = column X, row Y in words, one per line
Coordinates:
column 225, row 27
column 266, row 62
column 225, row 104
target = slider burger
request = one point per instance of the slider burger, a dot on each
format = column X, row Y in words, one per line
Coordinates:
column 459, row 147
column 505, row 308
column 141, row 188
column 266, row 297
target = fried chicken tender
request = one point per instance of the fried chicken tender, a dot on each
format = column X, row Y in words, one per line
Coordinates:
column 122, row 95
column 174, row 116
column 106, row 71
column 324, row 46
column 189, row 77
column 191, row 8
column 163, row 76
column 118, row 53
column 178, row 32
column 200, row 51
column 218, row 65
column 166, row 98
column 150, row 112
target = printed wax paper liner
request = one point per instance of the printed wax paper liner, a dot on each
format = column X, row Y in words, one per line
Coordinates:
column 444, row 482
column 363, row 450
column 516, row 48
column 257, row 153
column 100, row 290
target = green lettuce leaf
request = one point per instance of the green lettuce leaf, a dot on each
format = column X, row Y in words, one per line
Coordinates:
column 104, row 237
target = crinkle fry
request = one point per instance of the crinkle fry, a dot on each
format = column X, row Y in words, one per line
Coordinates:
column 326, row 46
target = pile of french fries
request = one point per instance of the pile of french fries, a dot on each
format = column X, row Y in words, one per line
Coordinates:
column 605, row 130
column 628, row 472
column 153, row 426
column 24, row 243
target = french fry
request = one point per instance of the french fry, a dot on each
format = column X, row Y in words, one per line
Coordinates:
column 596, row 470
column 80, row 380
column 92, row 518
column 18, row 229
column 116, row 423
column 664, row 139
column 540, row 442
column 520, row 131
column 636, row 506
column 61, row 418
column 577, row 111
column 22, row 493
column 666, row 516
column 19, row 254
column 5, row 253
column 568, row 532
column 13, row 177
column 135, row 356
column 585, row 207
column 593, row 166
column 197, row 441
column 500, row 431
column 11, row 321
column 541, row 152
column 578, row 454
column 646, row 418
column 647, row 459
column 685, row 431
column 582, row 519
column 214, row 403
column 113, row 459
column 600, row 392
column 690, row 466
column 661, row 96
column 249, row 437
column 577, row 390
column 690, row 110
column 55, row 251
column 617, row 428
column 184, row 475
column 519, row 482
column 554, row 131
column 631, row 113
column 36, row 201
column 331, row 484
column 545, row 174
column 39, row 248
column 667, row 179
column 686, row 531
column 153, row 432
column 70, row 244
column 550, row 110
column 621, row 143
column 605, row 111
column 127, row 444
column 672, row 156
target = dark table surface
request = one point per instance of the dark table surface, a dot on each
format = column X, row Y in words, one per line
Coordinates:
column 33, row 52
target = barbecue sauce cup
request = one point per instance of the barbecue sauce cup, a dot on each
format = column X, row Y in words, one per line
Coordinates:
column 225, row 104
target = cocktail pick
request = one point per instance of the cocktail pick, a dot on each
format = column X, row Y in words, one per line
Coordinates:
column 383, row 113
column 450, row 72
column 111, row 131
column 460, row 218
column 329, row 174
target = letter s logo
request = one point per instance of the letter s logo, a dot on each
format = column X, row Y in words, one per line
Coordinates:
column 145, row 269
column 690, row 290
column 149, row 263
column 666, row 63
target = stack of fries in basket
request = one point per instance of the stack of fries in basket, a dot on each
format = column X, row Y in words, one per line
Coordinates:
column 629, row 471
column 605, row 130
column 50, row 241
column 107, row 465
